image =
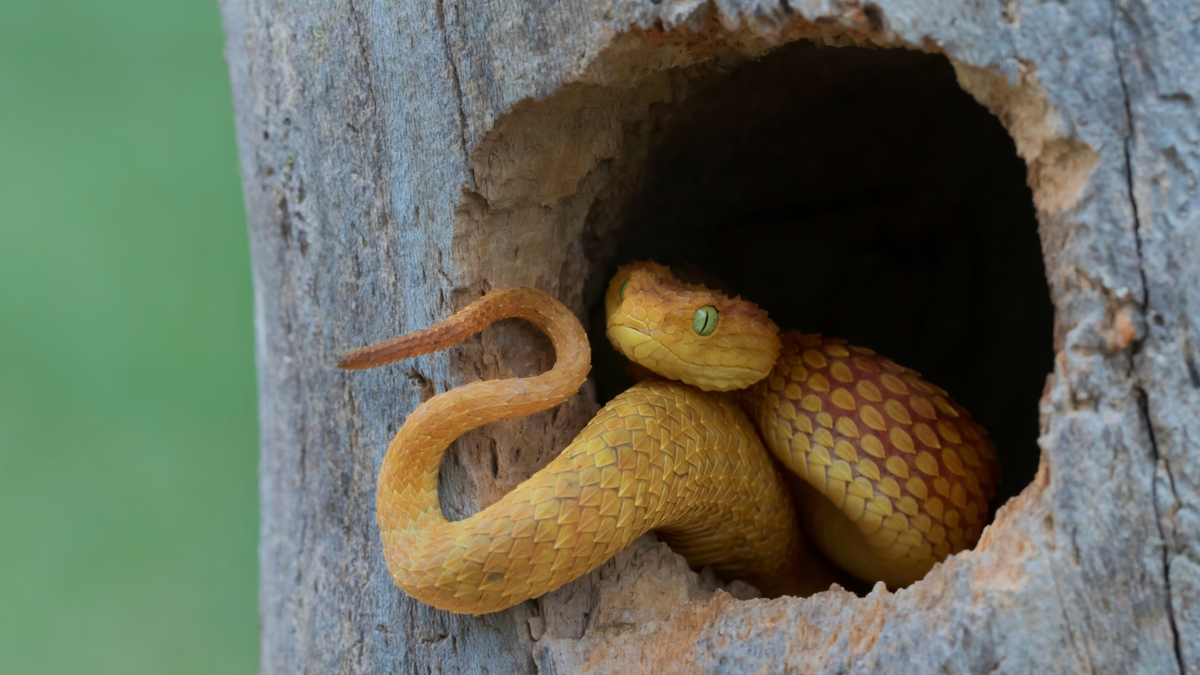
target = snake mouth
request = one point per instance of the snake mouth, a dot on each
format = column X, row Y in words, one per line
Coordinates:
column 633, row 343
column 645, row 350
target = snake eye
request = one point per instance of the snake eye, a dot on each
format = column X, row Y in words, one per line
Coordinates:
column 705, row 320
column 624, row 285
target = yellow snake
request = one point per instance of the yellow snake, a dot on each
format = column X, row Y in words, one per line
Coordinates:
column 896, row 476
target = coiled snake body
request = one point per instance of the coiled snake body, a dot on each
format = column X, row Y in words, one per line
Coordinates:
column 896, row 476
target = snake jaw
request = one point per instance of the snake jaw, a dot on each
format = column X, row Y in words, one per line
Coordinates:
column 651, row 321
column 653, row 353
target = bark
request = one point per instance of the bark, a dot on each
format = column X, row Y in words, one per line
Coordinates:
column 400, row 159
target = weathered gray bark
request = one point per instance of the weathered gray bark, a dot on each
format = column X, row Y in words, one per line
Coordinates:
column 401, row 158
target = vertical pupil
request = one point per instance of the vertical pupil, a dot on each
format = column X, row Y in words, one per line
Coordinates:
column 624, row 285
column 705, row 320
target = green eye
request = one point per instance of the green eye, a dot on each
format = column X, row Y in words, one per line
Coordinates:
column 705, row 320
column 624, row 285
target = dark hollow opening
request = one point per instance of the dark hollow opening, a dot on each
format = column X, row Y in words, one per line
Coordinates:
column 859, row 193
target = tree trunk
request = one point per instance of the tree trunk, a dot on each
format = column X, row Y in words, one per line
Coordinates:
column 400, row 159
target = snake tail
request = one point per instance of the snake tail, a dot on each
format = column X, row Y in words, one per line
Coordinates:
column 549, row 315
column 660, row 456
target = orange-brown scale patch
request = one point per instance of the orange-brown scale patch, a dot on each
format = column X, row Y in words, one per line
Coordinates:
column 906, row 464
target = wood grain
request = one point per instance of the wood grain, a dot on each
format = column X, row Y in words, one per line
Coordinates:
column 400, row 159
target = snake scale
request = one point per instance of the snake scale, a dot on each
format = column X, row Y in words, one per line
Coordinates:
column 895, row 475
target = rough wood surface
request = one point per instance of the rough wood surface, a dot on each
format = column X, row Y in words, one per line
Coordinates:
column 401, row 158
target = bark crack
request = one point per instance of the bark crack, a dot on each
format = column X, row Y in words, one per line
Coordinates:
column 1143, row 394
column 377, row 131
column 460, row 111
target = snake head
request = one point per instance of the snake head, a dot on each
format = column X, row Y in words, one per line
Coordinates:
column 688, row 332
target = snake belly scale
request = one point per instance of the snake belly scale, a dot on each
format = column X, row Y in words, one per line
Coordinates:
column 893, row 475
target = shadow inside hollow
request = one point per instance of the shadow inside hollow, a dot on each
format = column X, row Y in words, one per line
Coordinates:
column 861, row 194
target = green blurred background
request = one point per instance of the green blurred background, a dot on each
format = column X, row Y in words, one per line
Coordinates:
column 128, row 433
